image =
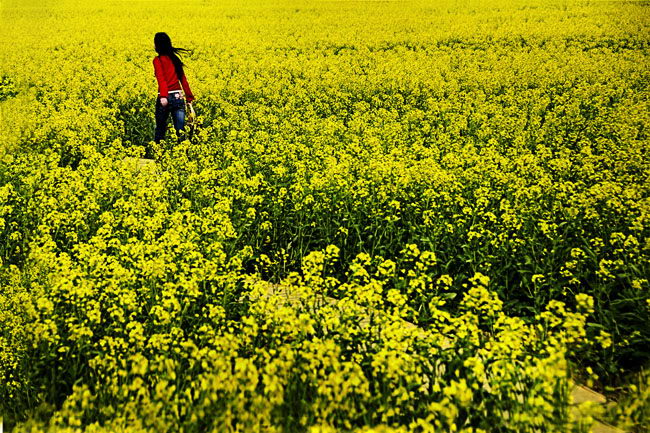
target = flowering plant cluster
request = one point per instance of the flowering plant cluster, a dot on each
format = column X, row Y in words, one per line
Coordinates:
column 393, row 217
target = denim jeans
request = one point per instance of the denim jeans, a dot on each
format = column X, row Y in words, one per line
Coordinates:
column 175, row 106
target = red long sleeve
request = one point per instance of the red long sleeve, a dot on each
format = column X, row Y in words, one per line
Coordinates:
column 167, row 78
column 160, row 77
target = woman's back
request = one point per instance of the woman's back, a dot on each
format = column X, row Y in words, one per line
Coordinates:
column 168, row 79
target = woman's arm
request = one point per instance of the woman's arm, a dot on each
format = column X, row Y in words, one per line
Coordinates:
column 162, row 84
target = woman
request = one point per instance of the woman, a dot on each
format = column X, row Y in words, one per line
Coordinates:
column 169, row 72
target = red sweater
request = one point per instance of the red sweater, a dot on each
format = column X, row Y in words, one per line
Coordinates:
column 167, row 78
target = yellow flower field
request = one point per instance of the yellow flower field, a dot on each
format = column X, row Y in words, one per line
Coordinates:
column 454, row 194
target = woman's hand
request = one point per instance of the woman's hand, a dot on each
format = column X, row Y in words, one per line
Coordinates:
column 163, row 102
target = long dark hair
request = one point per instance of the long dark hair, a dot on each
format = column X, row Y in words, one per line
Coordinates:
column 164, row 47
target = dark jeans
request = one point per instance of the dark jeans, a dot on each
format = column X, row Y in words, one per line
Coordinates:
column 175, row 106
